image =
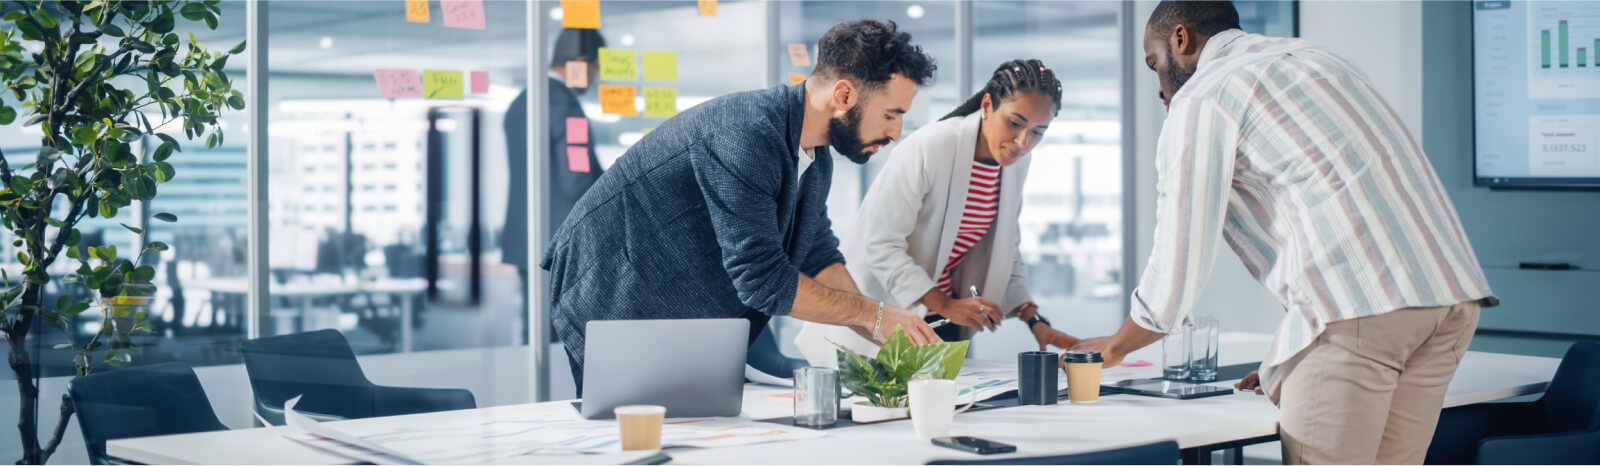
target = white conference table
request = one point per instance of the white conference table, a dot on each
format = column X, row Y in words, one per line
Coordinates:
column 305, row 291
column 1199, row 425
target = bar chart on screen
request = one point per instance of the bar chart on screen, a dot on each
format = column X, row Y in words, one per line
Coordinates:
column 1563, row 38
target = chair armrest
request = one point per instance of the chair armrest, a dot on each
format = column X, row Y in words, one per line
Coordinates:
column 390, row 401
column 1560, row 448
column 274, row 414
column 1455, row 441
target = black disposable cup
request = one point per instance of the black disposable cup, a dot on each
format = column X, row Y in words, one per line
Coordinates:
column 1036, row 377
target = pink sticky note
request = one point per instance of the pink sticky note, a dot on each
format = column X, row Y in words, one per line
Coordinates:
column 462, row 13
column 394, row 84
column 798, row 55
column 578, row 131
column 480, row 82
column 578, row 159
column 1139, row 363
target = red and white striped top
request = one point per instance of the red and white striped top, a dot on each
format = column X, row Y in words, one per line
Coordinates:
column 983, row 203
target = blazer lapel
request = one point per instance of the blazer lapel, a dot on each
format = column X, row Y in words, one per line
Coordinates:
column 956, row 195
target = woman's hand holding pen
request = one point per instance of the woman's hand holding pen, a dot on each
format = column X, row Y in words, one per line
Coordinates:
column 974, row 312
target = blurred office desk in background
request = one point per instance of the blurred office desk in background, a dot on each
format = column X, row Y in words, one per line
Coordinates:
column 306, row 296
column 1200, row 426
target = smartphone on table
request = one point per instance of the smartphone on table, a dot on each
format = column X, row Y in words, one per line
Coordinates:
column 975, row 445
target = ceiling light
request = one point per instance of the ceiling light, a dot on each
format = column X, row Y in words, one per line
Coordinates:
column 627, row 40
column 556, row 14
column 914, row 11
column 327, row 42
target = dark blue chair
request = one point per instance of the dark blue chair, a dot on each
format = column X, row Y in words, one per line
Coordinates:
column 1562, row 427
column 158, row 399
column 1154, row 453
column 765, row 356
column 321, row 366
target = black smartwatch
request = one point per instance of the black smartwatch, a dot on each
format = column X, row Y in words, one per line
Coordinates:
column 1037, row 318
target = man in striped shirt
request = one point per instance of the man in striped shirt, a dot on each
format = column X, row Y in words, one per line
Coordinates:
column 1286, row 153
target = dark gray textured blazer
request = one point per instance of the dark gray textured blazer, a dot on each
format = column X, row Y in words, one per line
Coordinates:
column 703, row 218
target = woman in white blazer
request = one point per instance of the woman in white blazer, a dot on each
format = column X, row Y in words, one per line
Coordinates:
column 941, row 218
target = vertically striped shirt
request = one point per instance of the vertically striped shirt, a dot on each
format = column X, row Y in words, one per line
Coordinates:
column 977, row 214
column 1288, row 154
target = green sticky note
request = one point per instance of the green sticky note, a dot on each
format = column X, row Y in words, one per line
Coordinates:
column 441, row 85
column 618, row 65
column 660, row 66
column 660, row 102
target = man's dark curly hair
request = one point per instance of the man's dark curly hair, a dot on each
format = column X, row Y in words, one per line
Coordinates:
column 869, row 52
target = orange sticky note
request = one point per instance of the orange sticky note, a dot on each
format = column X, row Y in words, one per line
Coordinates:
column 417, row 11
column 708, row 7
column 798, row 55
column 580, row 14
column 578, row 159
column 480, row 82
column 796, row 78
column 462, row 13
column 577, row 130
column 577, row 74
column 394, row 84
column 618, row 100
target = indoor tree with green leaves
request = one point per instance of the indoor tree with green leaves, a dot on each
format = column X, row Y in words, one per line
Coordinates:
column 96, row 79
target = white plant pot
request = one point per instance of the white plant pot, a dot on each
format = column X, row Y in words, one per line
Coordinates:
column 864, row 412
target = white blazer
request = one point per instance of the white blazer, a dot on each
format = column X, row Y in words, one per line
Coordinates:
column 906, row 228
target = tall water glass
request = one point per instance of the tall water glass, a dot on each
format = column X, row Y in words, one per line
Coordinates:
column 816, row 396
column 1175, row 355
column 1203, row 343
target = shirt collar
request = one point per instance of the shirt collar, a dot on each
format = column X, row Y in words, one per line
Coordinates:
column 1218, row 45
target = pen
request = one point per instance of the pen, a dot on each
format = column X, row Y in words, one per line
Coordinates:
column 974, row 290
column 938, row 323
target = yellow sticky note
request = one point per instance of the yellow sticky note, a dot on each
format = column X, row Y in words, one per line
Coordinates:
column 796, row 78
column 580, row 14
column 417, row 11
column 660, row 66
column 660, row 102
column 618, row 65
column 708, row 7
column 617, row 100
column 441, row 85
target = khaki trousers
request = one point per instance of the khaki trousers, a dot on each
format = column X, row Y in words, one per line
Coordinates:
column 1369, row 390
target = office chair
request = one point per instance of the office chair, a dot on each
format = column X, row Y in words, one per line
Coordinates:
column 765, row 356
column 1155, row 453
column 321, row 366
column 158, row 399
column 1562, row 427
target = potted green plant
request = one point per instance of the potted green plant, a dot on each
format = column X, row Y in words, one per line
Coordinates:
column 97, row 79
column 882, row 380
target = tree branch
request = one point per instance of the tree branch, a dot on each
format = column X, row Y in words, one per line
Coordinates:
column 61, row 428
column 5, row 170
column 89, row 77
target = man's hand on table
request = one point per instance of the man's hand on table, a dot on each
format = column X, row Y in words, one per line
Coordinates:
column 1103, row 345
column 1252, row 381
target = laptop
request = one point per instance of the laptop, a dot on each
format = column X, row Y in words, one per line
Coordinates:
column 694, row 367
